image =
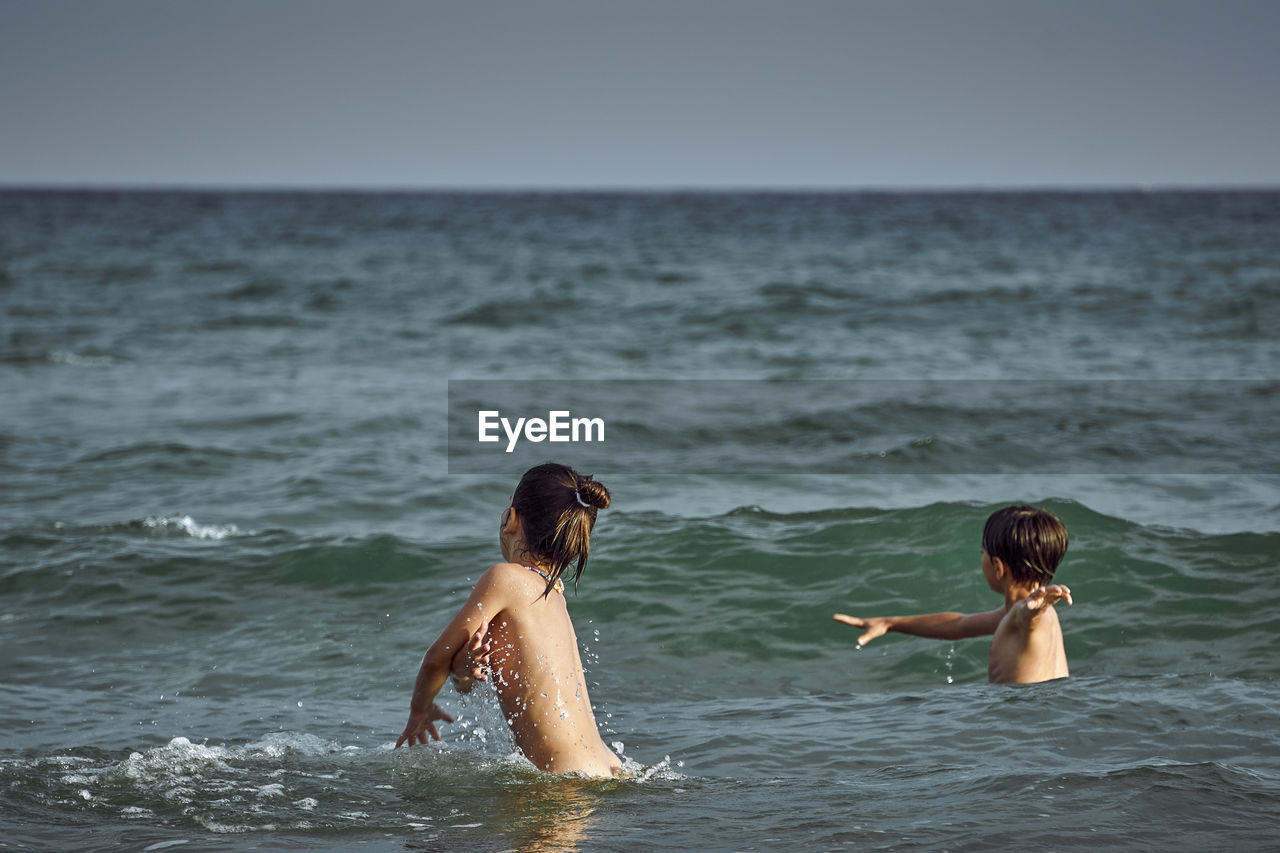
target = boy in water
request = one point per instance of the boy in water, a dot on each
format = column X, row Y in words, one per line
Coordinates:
column 1021, row 549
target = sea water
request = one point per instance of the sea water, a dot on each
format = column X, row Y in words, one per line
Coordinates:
column 229, row 531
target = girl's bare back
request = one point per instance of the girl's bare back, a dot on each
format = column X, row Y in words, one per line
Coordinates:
column 537, row 673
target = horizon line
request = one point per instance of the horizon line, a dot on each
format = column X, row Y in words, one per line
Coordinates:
column 637, row 189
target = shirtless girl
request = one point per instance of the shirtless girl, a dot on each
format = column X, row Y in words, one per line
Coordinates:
column 517, row 626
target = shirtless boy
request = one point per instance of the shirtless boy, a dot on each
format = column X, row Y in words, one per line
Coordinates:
column 1021, row 549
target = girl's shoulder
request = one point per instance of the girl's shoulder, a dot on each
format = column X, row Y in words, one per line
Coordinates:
column 504, row 585
column 512, row 575
column 517, row 583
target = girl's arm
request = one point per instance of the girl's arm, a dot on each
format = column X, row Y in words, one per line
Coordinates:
column 471, row 663
column 488, row 598
column 937, row 626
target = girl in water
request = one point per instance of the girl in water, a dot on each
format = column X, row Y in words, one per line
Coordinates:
column 517, row 624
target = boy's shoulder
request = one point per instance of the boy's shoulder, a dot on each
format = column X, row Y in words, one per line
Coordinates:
column 1027, row 646
column 1036, row 610
column 1019, row 620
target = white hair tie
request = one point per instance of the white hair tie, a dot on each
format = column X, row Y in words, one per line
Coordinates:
column 578, row 497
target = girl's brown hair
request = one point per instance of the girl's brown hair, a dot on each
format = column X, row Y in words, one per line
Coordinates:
column 557, row 507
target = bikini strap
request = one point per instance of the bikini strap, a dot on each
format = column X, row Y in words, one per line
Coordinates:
column 559, row 584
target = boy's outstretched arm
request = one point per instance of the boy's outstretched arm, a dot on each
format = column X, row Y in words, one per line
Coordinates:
column 937, row 626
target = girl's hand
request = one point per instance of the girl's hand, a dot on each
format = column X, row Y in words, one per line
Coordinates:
column 875, row 625
column 471, row 663
column 420, row 723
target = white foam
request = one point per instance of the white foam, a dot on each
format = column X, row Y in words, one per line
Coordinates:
column 172, row 764
column 517, row 759
column 277, row 744
column 186, row 524
column 637, row 772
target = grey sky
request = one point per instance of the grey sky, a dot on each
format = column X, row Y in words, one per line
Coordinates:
column 552, row 93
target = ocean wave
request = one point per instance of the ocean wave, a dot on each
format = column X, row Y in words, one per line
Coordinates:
column 1148, row 599
column 512, row 312
column 218, row 788
column 155, row 527
column 253, row 321
column 35, row 356
column 258, row 289
column 175, row 457
column 738, row 589
column 285, row 781
column 185, row 525
column 82, row 359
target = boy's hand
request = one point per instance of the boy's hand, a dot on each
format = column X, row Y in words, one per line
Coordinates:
column 420, row 724
column 1047, row 596
column 471, row 663
column 876, row 626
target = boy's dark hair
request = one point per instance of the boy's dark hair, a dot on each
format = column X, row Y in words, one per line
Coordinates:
column 557, row 507
column 1029, row 540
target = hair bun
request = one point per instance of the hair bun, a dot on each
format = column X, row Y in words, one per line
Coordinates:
column 591, row 493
